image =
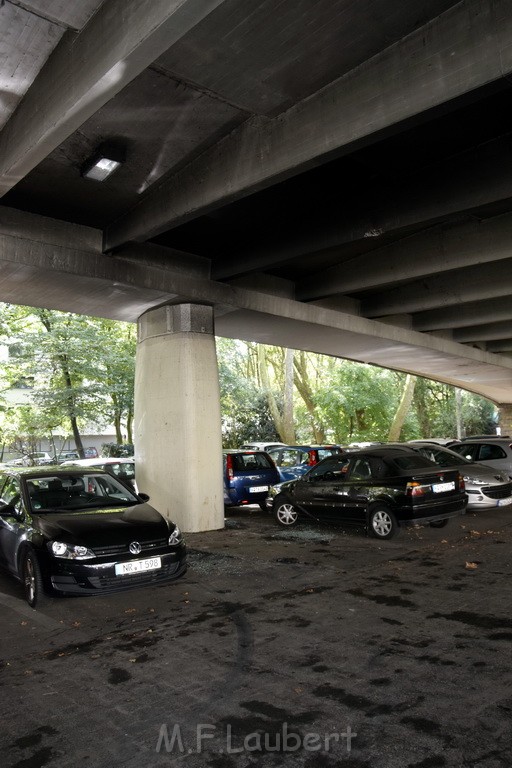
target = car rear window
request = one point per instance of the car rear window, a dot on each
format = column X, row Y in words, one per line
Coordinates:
column 245, row 462
column 412, row 461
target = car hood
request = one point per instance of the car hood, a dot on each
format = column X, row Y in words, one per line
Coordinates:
column 103, row 526
column 484, row 475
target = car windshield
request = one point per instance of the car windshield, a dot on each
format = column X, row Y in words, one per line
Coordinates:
column 444, row 457
column 66, row 492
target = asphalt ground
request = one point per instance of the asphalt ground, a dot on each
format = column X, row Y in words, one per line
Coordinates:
column 309, row 647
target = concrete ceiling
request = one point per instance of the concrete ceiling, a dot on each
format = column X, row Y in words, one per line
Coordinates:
column 350, row 156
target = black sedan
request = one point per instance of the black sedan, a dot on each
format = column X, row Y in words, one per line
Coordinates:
column 379, row 488
column 78, row 531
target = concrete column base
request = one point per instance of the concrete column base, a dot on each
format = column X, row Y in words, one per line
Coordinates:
column 177, row 425
column 505, row 419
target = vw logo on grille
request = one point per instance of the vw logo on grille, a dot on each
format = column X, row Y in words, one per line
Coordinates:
column 135, row 548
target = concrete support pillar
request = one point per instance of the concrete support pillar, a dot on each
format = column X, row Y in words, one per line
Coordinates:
column 178, row 443
column 505, row 418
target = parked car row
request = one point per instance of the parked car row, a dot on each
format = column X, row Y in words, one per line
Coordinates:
column 43, row 458
column 250, row 472
column 83, row 527
column 379, row 486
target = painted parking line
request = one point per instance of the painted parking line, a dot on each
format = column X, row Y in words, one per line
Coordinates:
column 26, row 611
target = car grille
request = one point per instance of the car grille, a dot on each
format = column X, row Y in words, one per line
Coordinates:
column 498, row 491
column 136, row 579
column 122, row 549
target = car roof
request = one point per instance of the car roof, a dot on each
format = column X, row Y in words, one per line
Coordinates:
column 377, row 451
column 490, row 438
column 308, row 447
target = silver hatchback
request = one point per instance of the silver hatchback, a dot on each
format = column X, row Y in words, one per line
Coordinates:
column 493, row 452
column 487, row 487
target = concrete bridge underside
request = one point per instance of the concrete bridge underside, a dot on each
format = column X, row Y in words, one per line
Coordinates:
column 329, row 176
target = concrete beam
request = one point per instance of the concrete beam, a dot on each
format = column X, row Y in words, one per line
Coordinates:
column 461, row 315
column 445, row 290
column 488, row 332
column 504, row 345
column 88, row 69
column 427, row 253
column 468, row 181
column 463, row 49
column 95, row 284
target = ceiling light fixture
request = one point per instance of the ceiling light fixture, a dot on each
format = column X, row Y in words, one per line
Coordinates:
column 107, row 158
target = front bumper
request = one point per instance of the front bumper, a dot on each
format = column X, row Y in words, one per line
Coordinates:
column 88, row 577
column 478, row 501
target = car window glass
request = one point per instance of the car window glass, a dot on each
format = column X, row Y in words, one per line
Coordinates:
column 290, row 458
column 335, row 466
column 361, row 470
column 412, row 461
column 378, row 469
column 324, row 452
column 490, row 452
column 11, row 493
column 70, row 492
column 440, row 457
column 247, row 462
column 468, row 451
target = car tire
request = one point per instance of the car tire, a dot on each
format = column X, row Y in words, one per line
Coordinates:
column 285, row 513
column 439, row 523
column 32, row 579
column 382, row 523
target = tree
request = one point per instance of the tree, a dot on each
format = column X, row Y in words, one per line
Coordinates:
column 244, row 406
column 80, row 369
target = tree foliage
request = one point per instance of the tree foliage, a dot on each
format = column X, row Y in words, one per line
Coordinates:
column 78, row 371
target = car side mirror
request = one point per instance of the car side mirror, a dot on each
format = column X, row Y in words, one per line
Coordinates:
column 143, row 497
column 7, row 510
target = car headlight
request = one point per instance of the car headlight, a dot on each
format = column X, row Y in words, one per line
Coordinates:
column 71, row 551
column 176, row 536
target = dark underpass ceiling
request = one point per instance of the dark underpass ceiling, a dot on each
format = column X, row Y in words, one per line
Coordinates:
column 360, row 151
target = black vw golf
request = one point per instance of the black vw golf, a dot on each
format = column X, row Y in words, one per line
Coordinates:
column 380, row 488
column 79, row 531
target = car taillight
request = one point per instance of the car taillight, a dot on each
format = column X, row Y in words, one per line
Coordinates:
column 311, row 458
column 415, row 489
column 229, row 466
column 462, row 484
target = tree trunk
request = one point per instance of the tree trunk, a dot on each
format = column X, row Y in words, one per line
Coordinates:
column 129, row 427
column 117, row 426
column 402, row 410
column 458, row 412
column 304, row 389
column 288, row 424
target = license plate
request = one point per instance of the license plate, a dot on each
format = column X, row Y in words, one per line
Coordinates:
column 442, row 487
column 258, row 489
column 137, row 566
column 504, row 502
